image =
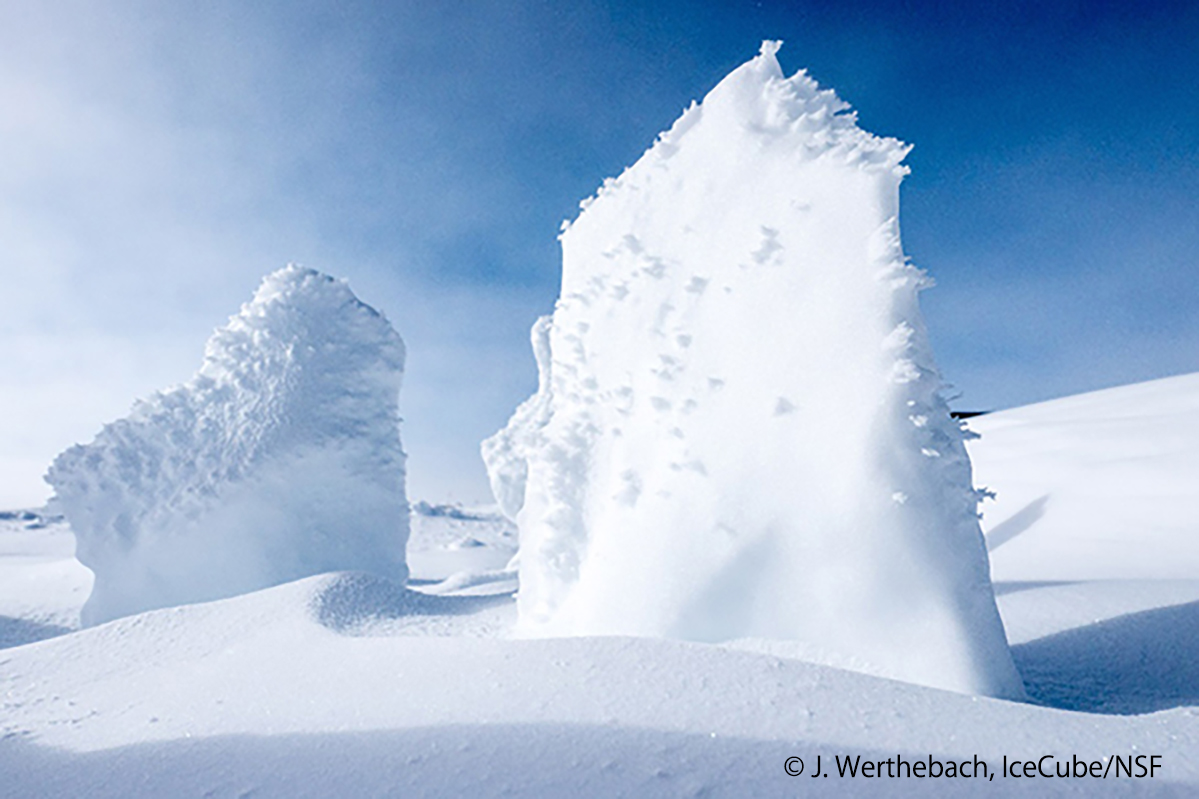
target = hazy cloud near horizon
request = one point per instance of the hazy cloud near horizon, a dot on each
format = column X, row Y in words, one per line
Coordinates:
column 158, row 160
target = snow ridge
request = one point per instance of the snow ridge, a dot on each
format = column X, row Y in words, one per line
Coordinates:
column 738, row 431
column 281, row 458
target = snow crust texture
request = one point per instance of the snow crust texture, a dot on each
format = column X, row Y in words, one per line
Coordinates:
column 280, row 459
column 738, row 431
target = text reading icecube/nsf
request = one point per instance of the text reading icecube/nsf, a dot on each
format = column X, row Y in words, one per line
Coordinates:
column 738, row 432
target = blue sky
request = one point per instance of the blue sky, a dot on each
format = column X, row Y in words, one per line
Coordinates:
column 156, row 159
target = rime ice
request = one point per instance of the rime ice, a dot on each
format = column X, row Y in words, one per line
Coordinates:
column 280, row 459
column 738, row 431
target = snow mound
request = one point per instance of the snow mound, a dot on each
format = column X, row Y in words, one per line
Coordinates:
column 738, row 431
column 359, row 604
column 281, row 458
column 257, row 694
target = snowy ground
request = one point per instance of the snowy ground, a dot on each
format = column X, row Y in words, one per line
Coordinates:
column 346, row 685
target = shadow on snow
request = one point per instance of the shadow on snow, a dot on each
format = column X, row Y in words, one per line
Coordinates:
column 485, row 760
column 1137, row 663
column 15, row 632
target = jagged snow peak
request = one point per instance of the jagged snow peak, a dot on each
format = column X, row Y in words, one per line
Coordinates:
column 738, row 431
column 280, row 459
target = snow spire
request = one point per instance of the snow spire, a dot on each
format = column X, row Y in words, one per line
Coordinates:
column 738, row 433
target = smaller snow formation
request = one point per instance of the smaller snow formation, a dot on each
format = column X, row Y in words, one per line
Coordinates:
column 280, row 459
column 738, row 431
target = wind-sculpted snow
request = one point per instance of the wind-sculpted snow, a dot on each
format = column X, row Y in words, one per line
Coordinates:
column 281, row 458
column 738, row 431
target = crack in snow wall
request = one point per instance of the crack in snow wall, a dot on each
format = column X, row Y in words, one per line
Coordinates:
column 280, row 459
column 738, row 431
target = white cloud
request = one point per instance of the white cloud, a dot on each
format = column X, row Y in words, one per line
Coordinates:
column 156, row 163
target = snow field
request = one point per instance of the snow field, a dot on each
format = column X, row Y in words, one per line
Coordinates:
column 1095, row 486
column 352, row 684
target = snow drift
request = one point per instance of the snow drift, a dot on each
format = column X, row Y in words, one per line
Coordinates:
column 1096, row 486
column 280, row 459
column 738, row 431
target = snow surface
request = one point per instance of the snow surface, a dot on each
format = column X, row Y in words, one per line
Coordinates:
column 738, row 431
column 353, row 685
column 461, row 550
column 1094, row 486
column 42, row 585
column 280, row 459
column 267, row 695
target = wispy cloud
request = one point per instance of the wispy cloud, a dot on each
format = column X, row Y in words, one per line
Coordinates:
column 157, row 159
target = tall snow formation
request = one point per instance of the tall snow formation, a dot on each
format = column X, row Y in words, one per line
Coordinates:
column 738, row 431
column 280, row 459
